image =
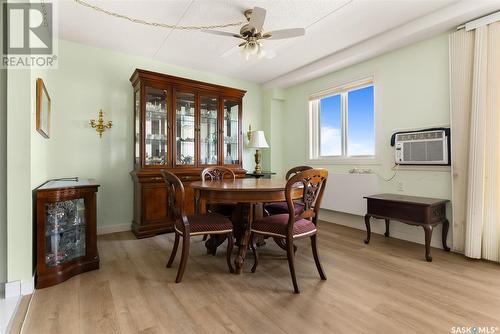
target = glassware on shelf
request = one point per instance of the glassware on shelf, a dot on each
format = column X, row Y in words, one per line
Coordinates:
column 208, row 130
column 156, row 126
column 231, row 132
column 65, row 227
column 185, row 128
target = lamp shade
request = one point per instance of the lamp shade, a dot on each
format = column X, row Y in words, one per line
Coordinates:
column 258, row 140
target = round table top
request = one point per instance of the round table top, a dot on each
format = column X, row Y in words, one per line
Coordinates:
column 241, row 185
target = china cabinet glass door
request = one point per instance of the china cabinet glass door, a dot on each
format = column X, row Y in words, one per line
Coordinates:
column 231, row 127
column 156, row 127
column 184, row 128
column 65, row 227
column 208, row 130
column 137, row 113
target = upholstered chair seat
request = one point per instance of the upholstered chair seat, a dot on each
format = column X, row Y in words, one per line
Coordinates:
column 276, row 226
column 279, row 208
column 206, row 223
column 282, row 207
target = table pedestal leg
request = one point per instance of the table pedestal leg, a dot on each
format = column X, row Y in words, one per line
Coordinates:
column 242, row 228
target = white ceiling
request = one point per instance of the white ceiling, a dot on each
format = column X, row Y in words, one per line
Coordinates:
column 331, row 27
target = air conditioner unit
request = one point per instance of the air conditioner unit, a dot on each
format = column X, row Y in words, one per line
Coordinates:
column 426, row 147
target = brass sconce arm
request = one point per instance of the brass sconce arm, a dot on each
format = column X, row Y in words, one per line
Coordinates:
column 100, row 126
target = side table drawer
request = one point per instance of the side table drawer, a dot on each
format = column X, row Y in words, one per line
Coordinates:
column 399, row 211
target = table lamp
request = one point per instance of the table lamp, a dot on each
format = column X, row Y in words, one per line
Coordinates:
column 258, row 141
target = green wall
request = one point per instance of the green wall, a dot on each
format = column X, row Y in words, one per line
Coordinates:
column 411, row 91
column 19, row 209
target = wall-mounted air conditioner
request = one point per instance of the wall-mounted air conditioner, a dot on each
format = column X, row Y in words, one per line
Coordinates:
column 424, row 147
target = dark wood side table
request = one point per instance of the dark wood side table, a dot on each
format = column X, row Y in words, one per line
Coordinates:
column 420, row 211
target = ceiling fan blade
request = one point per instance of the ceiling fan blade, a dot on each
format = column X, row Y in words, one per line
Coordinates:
column 222, row 33
column 257, row 19
column 285, row 33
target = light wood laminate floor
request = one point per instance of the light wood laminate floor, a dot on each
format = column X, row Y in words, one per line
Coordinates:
column 384, row 287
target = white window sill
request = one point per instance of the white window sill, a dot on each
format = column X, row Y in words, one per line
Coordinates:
column 344, row 161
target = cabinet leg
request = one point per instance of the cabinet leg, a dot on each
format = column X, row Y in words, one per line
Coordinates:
column 386, row 228
column 446, row 226
column 368, row 229
column 428, row 237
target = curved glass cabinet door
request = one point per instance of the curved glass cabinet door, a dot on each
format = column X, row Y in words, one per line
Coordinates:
column 64, row 231
column 208, row 130
column 156, row 126
column 184, row 128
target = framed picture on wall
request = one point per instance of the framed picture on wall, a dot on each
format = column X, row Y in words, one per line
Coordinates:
column 42, row 109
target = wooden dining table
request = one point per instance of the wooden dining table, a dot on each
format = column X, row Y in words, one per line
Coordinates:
column 250, row 196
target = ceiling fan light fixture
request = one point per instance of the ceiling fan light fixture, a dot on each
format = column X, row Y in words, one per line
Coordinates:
column 261, row 53
column 250, row 49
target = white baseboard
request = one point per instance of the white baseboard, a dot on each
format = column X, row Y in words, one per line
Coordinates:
column 397, row 230
column 113, row 228
column 19, row 288
column 12, row 289
column 8, row 308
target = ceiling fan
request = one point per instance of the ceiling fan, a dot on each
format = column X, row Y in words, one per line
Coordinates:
column 252, row 34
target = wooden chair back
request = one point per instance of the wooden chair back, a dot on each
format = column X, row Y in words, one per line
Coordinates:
column 313, row 183
column 176, row 196
column 296, row 170
column 217, row 173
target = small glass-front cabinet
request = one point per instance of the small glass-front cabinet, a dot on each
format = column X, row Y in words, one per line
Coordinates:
column 65, row 229
column 183, row 126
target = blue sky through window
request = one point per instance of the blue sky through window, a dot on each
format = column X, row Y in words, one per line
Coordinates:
column 360, row 127
column 330, row 122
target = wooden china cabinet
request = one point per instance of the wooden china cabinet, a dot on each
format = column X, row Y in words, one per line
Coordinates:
column 183, row 126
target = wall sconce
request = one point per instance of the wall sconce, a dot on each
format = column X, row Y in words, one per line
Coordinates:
column 99, row 126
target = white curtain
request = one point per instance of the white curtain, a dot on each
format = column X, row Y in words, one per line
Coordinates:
column 475, row 123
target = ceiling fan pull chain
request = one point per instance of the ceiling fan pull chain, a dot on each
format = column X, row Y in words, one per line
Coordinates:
column 155, row 24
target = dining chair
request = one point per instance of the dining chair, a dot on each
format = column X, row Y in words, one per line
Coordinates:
column 198, row 224
column 290, row 226
column 217, row 173
column 282, row 207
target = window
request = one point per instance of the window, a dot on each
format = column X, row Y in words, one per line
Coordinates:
column 342, row 122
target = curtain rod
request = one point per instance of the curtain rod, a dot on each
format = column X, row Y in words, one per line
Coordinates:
column 479, row 22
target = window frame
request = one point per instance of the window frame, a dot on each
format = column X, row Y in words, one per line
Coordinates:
column 315, row 124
